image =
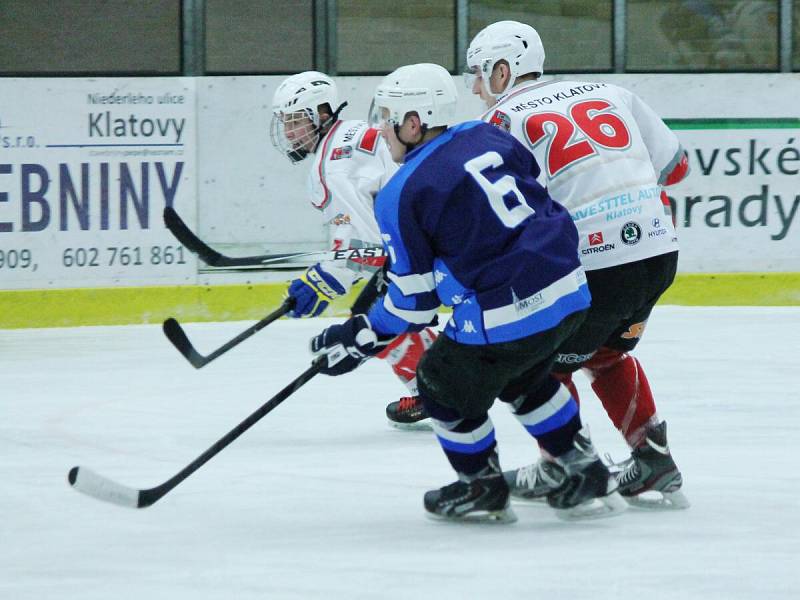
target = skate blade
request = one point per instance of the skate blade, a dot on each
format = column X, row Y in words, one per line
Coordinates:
column 663, row 501
column 596, row 508
column 529, row 500
column 492, row 517
column 424, row 425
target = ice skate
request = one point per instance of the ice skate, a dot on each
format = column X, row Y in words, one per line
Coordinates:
column 408, row 413
column 483, row 497
column 589, row 490
column 532, row 483
column 650, row 478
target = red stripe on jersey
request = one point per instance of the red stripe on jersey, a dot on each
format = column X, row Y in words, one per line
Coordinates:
column 679, row 172
column 369, row 141
column 321, row 169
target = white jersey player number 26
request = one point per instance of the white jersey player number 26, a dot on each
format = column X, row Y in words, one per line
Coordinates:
column 495, row 191
column 594, row 118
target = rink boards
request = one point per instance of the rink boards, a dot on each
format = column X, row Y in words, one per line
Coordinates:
column 88, row 165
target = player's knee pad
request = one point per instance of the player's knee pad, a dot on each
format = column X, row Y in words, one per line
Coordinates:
column 404, row 354
column 439, row 385
column 622, row 387
column 409, row 347
column 605, row 358
column 440, row 412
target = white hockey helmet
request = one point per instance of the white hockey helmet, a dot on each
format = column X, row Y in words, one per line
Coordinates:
column 516, row 43
column 424, row 88
column 298, row 98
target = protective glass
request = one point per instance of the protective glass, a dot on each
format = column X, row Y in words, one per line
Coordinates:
column 379, row 116
column 471, row 75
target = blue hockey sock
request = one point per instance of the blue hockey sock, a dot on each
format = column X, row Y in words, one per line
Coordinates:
column 551, row 416
column 467, row 443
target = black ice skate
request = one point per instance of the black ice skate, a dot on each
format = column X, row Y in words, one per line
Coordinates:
column 532, row 483
column 480, row 498
column 652, row 469
column 408, row 413
column 589, row 490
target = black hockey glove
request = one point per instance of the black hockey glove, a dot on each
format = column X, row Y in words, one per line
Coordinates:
column 347, row 345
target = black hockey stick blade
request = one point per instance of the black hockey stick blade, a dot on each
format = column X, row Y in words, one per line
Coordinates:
column 176, row 335
column 213, row 258
column 187, row 237
column 97, row 486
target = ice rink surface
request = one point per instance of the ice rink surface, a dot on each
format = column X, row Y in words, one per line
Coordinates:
column 322, row 499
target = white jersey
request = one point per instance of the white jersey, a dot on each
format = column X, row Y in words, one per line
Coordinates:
column 604, row 155
column 351, row 165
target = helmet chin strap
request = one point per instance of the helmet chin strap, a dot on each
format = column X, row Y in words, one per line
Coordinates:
column 324, row 127
column 410, row 145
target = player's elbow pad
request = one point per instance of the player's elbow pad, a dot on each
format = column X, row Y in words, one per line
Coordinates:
column 678, row 172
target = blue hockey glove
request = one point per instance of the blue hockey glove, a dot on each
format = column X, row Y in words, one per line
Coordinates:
column 347, row 345
column 315, row 289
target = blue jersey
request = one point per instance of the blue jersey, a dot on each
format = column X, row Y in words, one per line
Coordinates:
column 467, row 225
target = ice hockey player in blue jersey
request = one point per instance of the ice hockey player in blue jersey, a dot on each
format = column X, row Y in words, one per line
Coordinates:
column 467, row 225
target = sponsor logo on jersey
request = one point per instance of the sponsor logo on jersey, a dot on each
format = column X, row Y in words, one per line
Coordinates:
column 343, row 152
column 573, row 359
column 657, row 230
column 501, row 120
column 340, row 219
column 595, row 238
column 630, row 233
column 635, row 331
column 526, row 305
column 468, row 327
column 598, row 249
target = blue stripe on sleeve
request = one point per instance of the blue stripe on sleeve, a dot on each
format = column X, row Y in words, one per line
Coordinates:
column 541, row 320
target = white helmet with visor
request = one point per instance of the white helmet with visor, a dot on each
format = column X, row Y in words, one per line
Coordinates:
column 424, row 88
column 516, row 43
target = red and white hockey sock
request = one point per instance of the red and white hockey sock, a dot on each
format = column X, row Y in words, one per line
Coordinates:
column 619, row 381
column 404, row 354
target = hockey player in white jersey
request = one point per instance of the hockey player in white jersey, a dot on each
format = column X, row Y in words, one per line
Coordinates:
column 605, row 156
column 350, row 163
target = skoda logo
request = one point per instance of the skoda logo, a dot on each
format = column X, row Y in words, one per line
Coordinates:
column 631, row 233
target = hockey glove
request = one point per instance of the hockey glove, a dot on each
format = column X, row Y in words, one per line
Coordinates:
column 347, row 345
column 315, row 289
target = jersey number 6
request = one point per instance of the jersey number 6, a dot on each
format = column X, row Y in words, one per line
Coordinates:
column 495, row 191
column 593, row 118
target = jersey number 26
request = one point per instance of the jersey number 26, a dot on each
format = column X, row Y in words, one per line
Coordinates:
column 594, row 118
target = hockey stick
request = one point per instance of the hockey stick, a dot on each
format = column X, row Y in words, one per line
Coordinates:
column 213, row 258
column 102, row 488
column 176, row 335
